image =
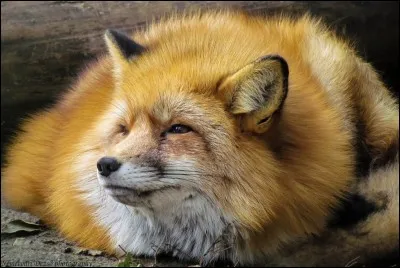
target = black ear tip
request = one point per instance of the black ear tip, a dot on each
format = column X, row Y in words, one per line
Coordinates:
column 115, row 34
column 126, row 45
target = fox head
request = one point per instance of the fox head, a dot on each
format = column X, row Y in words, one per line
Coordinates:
column 168, row 133
column 194, row 127
column 169, row 138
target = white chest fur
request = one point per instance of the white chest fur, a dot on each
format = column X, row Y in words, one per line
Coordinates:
column 188, row 228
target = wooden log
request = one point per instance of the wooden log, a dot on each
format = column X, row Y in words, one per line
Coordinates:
column 44, row 44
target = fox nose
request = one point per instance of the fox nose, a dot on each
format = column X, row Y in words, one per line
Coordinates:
column 107, row 165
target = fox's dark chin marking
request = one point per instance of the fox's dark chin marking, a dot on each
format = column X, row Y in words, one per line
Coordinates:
column 138, row 192
column 135, row 197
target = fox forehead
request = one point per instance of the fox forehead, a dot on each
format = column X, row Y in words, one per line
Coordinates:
column 163, row 104
column 173, row 79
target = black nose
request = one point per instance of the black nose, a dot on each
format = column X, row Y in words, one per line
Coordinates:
column 106, row 165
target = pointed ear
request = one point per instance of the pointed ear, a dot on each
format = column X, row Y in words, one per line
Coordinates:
column 256, row 92
column 121, row 48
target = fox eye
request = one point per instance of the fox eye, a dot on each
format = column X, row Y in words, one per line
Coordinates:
column 122, row 129
column 179, row 129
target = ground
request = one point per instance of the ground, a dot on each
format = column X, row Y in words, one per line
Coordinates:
column 47, row 248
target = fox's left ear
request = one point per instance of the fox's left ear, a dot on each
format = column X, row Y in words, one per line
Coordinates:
column 256, row 92
column 121, row 47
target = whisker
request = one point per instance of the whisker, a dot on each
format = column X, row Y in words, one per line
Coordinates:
column 141, row 174
column 183, row 165
column 181, row 174
column 133, row 178
column 119, row 107
column 184, row 179
column 177, row 169
column 181, row 179
column 144, row 169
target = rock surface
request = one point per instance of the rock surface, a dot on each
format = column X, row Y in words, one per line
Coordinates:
column 49, row 249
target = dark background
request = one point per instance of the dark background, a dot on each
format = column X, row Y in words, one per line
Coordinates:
column 44, row 45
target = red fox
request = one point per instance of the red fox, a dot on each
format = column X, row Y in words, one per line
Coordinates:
column 218, row 135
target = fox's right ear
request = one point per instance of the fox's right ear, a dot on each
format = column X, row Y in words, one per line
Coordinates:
column 121, row 48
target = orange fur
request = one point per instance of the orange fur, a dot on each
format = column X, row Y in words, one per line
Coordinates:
column 276, row 185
